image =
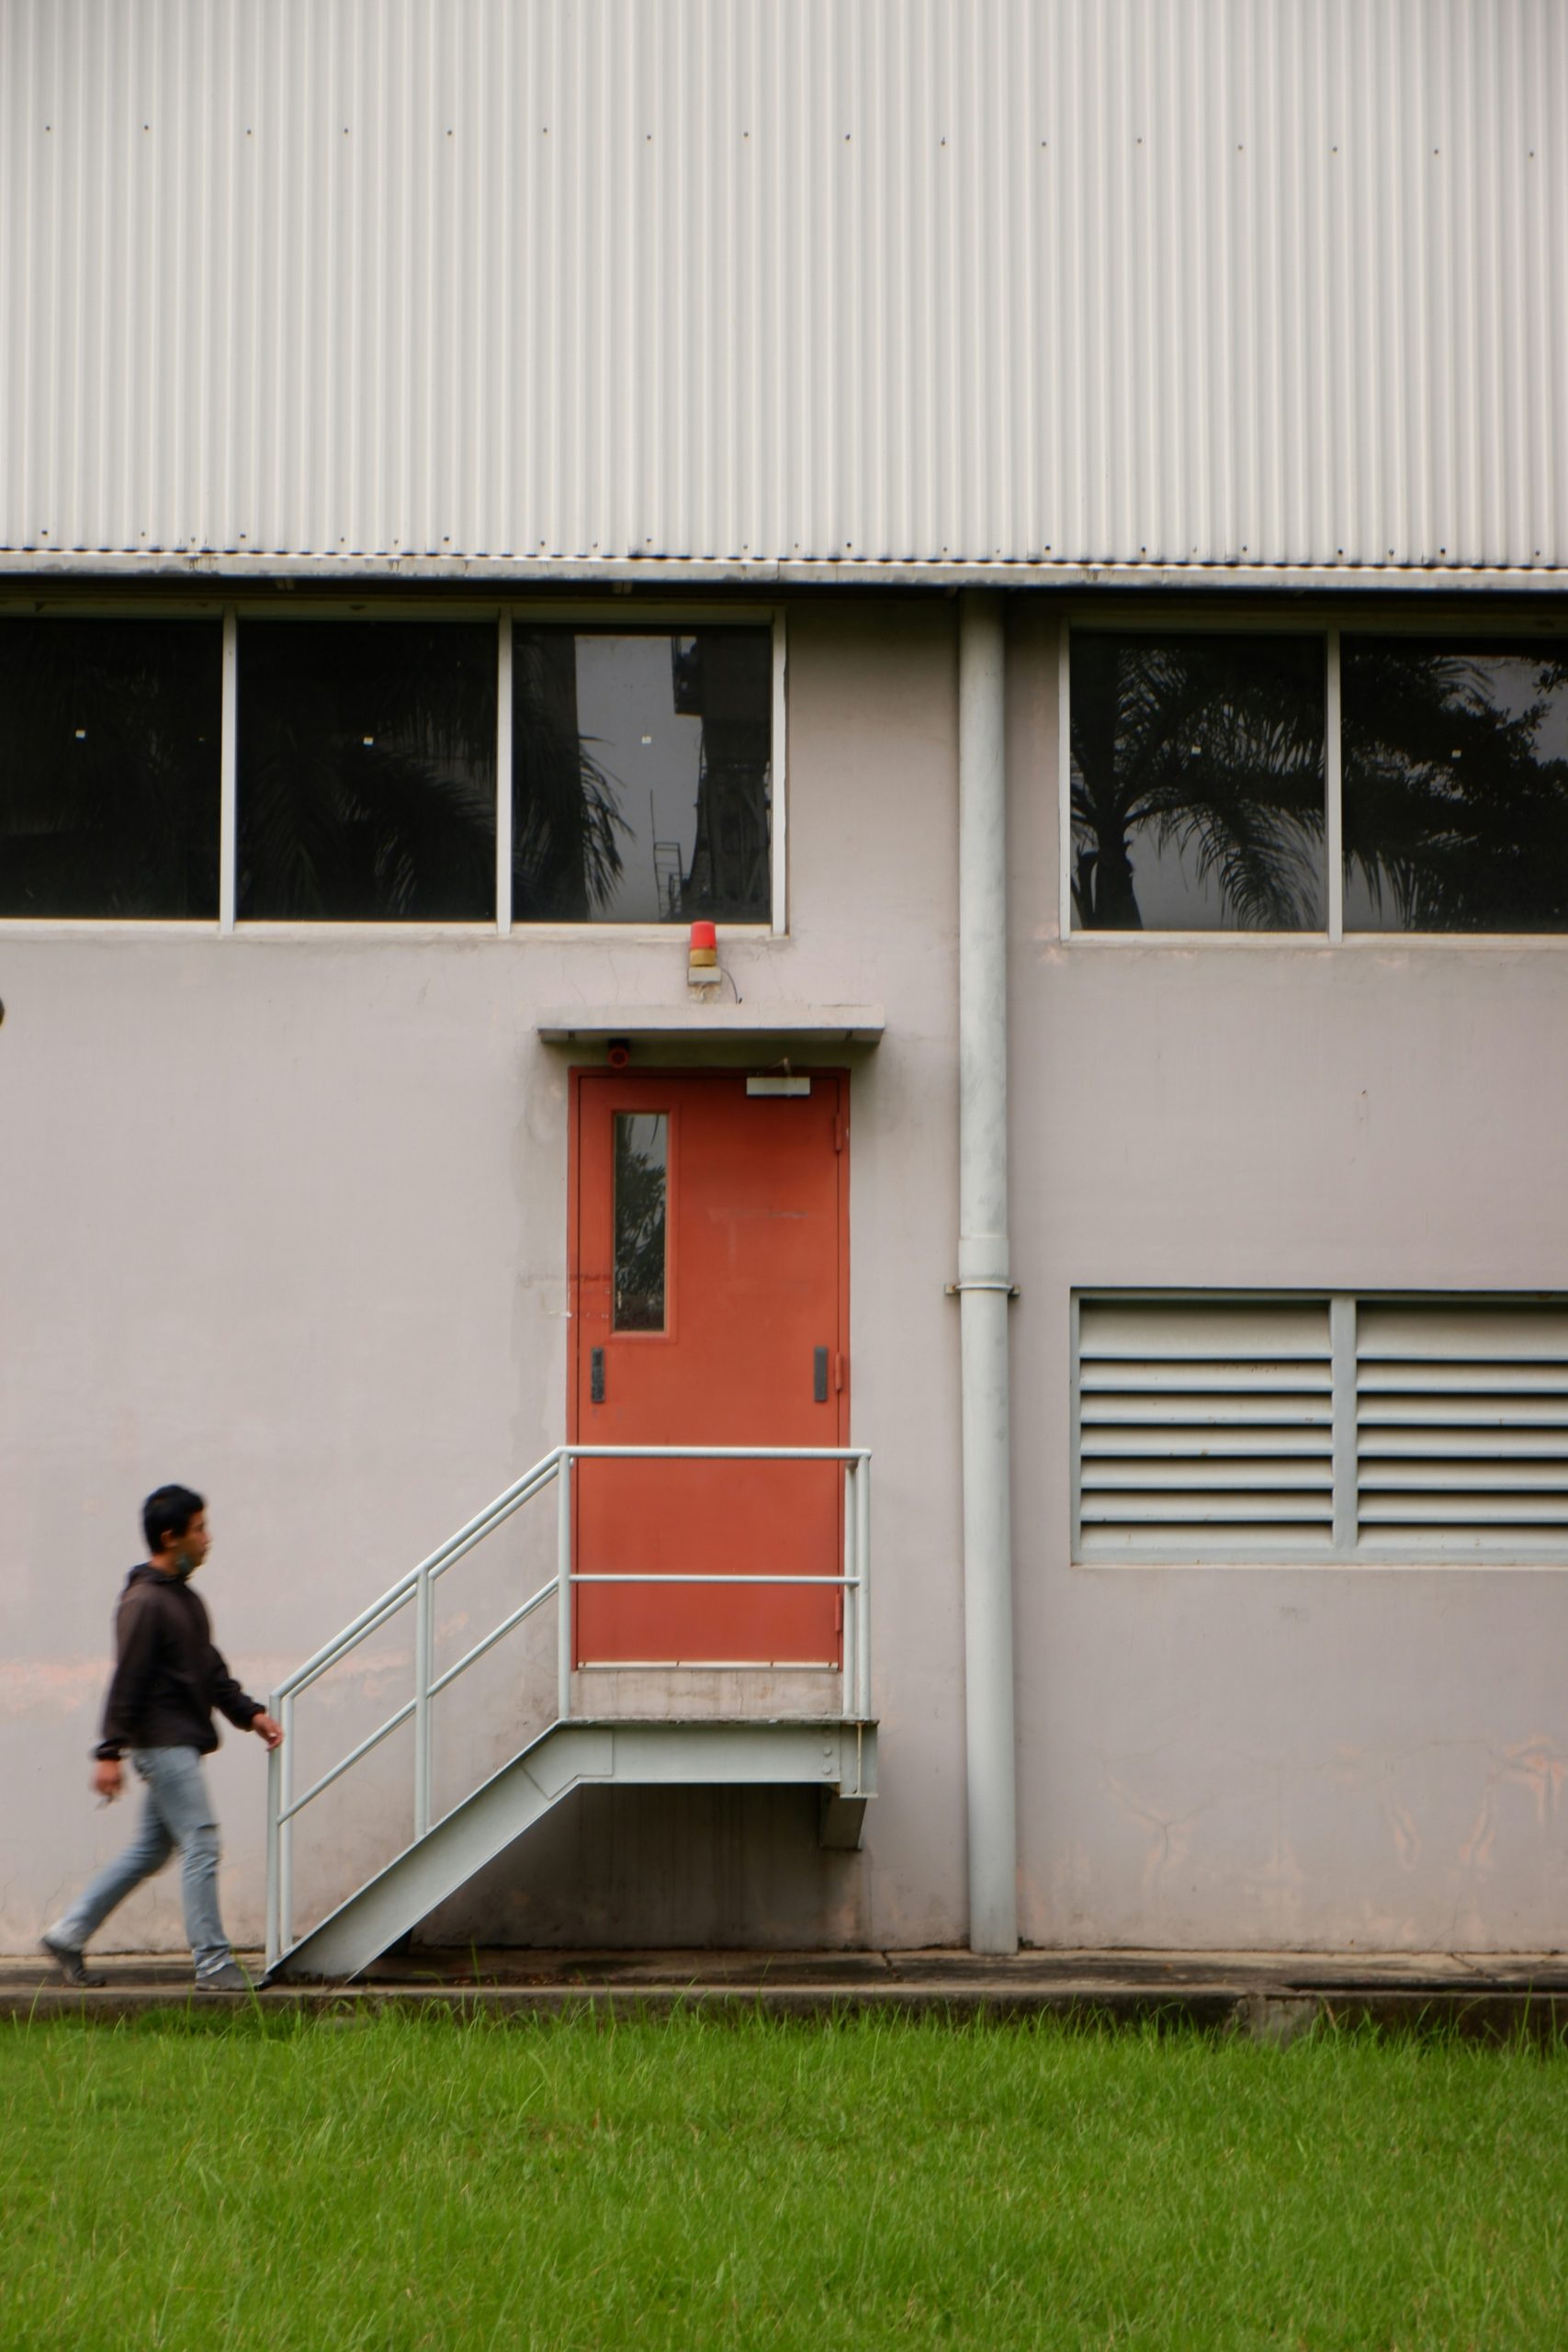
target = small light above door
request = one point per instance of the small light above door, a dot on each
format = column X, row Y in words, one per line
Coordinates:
column 778, row 1086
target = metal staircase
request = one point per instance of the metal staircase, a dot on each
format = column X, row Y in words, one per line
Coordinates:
column 835, row 1753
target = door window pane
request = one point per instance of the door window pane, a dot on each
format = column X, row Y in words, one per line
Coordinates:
column 1455, row 786
column 1197, row 783
column 109, row 767
column 642, row 1169
column 641, row 775
column 367, row 784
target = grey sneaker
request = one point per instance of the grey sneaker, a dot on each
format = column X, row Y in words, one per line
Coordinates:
column 230, row 1978
column 71, row 1967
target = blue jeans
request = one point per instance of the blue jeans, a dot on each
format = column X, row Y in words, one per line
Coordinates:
column 176, row 1811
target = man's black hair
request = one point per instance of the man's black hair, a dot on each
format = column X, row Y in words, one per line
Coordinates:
column 168, row 1512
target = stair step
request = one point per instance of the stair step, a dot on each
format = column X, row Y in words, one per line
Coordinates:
column 833, row 1755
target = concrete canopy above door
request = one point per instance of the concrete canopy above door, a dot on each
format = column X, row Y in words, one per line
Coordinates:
column 825, row 1025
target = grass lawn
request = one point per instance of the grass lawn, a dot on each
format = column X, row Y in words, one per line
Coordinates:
column 394, row 2182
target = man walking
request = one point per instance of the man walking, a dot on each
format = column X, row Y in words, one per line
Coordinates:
column 169, row 1678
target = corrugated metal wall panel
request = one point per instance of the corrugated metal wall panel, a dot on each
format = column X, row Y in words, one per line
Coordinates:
column 1157, row 281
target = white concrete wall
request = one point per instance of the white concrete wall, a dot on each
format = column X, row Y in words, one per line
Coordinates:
column 1311, row 1757
column 286, row 1218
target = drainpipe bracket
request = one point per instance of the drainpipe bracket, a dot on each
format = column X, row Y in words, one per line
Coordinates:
column 981, row 1281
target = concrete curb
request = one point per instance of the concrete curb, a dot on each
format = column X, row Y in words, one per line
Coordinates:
column 1275, row 2016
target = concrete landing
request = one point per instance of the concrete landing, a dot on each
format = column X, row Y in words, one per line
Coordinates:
column 1273, row 1996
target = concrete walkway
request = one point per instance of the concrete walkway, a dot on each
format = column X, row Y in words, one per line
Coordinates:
column 1273, row 1996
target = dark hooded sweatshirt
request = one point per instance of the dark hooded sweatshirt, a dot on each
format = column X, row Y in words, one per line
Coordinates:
column 168, row 1675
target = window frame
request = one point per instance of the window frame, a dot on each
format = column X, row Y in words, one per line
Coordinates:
column 1345, row 1548
column 1331, row 624
column 596, row 613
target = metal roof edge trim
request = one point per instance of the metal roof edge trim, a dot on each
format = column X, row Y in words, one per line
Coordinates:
column 493, row 571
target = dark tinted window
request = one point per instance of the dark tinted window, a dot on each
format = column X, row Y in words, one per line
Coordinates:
column 1198, row 783
column 367, row 784
column 1455, row 786
column 642, row 1175
column 641, row 775
column 109, row 767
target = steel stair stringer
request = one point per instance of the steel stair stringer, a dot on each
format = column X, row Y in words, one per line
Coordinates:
column 838, row 1758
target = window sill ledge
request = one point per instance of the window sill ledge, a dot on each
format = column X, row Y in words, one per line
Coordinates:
column 1479, row 1565
column 1363, row 943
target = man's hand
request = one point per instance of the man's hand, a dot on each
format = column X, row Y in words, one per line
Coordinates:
column 109, row 1778
column 267, row 1729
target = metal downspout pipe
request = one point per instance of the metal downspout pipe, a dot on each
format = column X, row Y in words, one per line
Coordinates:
column 985, row 1279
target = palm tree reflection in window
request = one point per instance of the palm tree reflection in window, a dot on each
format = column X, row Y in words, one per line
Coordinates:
column 641, row 774
column 641, row 1178
column 367, row 771
column 1197, row 783
column 566, row 856
column 1455, row 786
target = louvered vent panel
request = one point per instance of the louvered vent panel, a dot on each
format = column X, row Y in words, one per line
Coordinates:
column 1461, row 1429
column 1205, row 1427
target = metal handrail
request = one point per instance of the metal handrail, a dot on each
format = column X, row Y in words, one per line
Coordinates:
column 556, row 1466
column 700, row 1576
column 509, row 1499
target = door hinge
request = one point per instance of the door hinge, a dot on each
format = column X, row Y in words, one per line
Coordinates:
column 840, row 1129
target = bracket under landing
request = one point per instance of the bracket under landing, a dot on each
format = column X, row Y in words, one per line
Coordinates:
column 840, row 1821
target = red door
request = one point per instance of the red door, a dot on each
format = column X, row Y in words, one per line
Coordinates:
column 710, row 1256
